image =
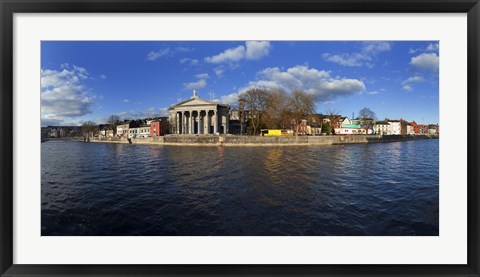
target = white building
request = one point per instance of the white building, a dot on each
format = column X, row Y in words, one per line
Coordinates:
column 199, row 116
column 344, row 121
column 410, row 130
column 395, row 127
column 139, row 132
column 349, row 129
column 382, row 128
column 122, row 130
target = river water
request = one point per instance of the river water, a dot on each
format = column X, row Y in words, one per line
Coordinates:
column 128, row 190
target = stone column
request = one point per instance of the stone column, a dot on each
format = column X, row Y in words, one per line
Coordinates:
column 224, row 118
column 192, row 120
column 215, row 121
column 205, row 122
column 197, row 118
column 199, row 130
column 176, row 122
column 184, row 122
column 227, row 120
column 201, row 126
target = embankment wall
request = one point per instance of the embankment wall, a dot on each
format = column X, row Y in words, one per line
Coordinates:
column 231, row 140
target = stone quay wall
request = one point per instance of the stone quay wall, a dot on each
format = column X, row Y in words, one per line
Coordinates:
column 231, row 140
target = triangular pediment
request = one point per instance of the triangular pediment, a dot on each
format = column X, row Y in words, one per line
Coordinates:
column 194, row 102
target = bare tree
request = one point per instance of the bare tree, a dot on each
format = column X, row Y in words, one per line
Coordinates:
column 88, row 128
column 301, row 104
column 367, row 118
column 65, row 131
column 255, row 102
column 276, row 110
column 334, row 117
column 113, row 121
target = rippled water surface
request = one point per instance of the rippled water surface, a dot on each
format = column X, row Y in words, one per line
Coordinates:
column 121, row 189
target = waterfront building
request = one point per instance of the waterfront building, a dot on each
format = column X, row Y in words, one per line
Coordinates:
column 199, row 116
column 139, row 132
column 133, row 132
column 350, row 129
column 235, row 123
column 123, row 129
column 398, row 127
column 416, row 128
column 382, row 128
column 422, row 129
column 155, row 129
column 433, row 129
column 410, row 130
column 395, row 127
column 342, row 121
column 144, row 131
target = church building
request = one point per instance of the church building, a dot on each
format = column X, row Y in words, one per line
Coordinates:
column 199, row 116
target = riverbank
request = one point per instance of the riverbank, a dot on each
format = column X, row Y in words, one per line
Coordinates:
column 232, row 140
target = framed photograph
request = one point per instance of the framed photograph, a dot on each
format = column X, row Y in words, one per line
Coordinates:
column 252, row 138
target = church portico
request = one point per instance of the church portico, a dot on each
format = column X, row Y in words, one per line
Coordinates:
column 199, row 116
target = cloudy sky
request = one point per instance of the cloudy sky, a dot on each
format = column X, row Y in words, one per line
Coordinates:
column 91, row 80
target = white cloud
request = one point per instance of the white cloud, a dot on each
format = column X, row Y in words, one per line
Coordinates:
column 413, row 51
column 317, row 82
column 365, row 56
column 413, row 79
column 432, row 47
column 346, row 59
column 152, row 56
column 373, row 92
column 375, row 47
column 425, row 62
column 229, row 55
column 230, row 99
column 189, row 61
column 202, row 76
column 407, row 88
column 63, row 94
column 219, row 70
column 257, row 49
column 103, row 77
column 167, row 52
column 253, row 50
column 196, row 85
column 126, row 101
column 183, row 49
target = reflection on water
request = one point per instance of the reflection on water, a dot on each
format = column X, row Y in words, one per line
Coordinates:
column 121, row 189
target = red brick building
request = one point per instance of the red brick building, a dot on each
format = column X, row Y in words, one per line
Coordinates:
column 416, row 127
column 155, row 130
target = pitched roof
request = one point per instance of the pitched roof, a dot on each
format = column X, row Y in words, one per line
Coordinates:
column 195, row 100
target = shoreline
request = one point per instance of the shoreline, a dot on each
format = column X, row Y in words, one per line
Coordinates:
column 259, row 141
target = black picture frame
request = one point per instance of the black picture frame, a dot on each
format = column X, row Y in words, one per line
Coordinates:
column 9, row 7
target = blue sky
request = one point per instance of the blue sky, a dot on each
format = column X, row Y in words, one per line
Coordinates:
column 90, row 80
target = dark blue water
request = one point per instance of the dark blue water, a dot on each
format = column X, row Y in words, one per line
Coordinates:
column 121, row 189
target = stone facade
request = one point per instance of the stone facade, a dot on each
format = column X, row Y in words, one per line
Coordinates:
column 199, row 116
